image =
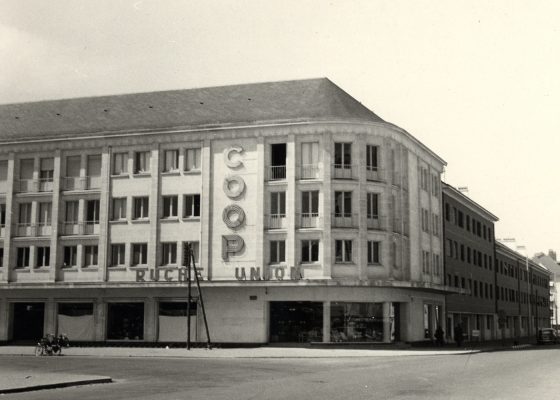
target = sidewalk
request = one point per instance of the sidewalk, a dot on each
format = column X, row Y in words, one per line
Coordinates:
column 16, row 381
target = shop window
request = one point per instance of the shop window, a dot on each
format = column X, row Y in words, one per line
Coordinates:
column 142, row 162
column 119, row 209
column 141, row 208
column 120, row 163
column 343, row 251
column 173, row 314
column 168, row 254
column 357, row 322
column 192, row 160
column 91, row 255
column 309, row 251
column 192, row 206
column 117, row 254
column 22, row 257
column 170, row 207
column 43, row 256
column 170, row 160
column 125, row 321
column 277, row 251
column 139, row 254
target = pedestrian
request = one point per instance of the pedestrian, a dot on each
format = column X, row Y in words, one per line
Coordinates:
column 458, row 333
column 439, row 335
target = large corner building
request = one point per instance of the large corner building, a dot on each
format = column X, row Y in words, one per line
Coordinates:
column 311, row 218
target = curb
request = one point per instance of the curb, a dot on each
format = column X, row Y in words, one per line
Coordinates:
column 56, row 385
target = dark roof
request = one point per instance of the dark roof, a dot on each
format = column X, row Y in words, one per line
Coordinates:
column 300, row 100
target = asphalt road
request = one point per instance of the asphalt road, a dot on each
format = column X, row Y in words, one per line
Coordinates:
column 516, row 374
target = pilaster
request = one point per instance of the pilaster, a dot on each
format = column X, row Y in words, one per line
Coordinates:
column 154, row 214
column 387, row 322
column 4, row 320
column 326, row 245
column 8, row 253
column 291, row 201
column 361, row 245
column 55, row 216
column 50, row 316
column 260, row 201
column 206, row 207
column 104, row 213
column 150, row 320
column 326, row 321
column 100, row 319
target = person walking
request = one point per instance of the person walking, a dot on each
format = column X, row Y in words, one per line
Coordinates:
column 439, row 335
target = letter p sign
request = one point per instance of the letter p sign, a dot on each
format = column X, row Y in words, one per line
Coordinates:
column 231, row 245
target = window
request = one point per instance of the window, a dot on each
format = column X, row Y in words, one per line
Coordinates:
column 120, row 163
column 435, row 185
column 277, row 251
column 425, row 262
column 141, row 208
column 1, row 256
column 43, row 256
column 343, row 251
column 22, row 257
column 70, row 256
column 278, row 204
column 310, row 203
column 343, row 155
column 119, row 209
column 117, row 254
column 170, row 160
column 44, row 217
column 309, row 251
column 372, row 205
column 92, row 209
column 168, row 253
column 91, row 253
column 169, row 207
column 436, row 266
column 371, row 157
column 343, row 204
column 94, row 165
column 26, row 168
column 192, row 206
column 142, row 162
column 195, row 251
column 425, row 220
column 71, row 212
column 309, row 160
column 139, row 254
column 373, row 252
column 192, row 159
column 2, row 215
column 25, row 214
column 47, row 170
column 435, row 224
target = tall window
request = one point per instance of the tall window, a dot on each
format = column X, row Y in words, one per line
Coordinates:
column 26, row 168
column 22, row 257
column 170, row 160
column 117, row 254
column 343, row 204
column 373, row 256
column 47, row 170
column 25, row 213
column 43, row 256
column 70, row 256
column 92, row 211
column 435, row 224
column 425, row 220
column 120, row 163
column 278, row 204
column 192, row 205
column 141, row 210
column 2, row 214
column 192, row 159
column 195, row 248
column 343, row 251
column 119, row 209
column 310, row 203
column 309, row 251
column 168, row 253
column 44, row 217
column 372, row 205
column 71, row 212
column 139, row 254
column 309, row 160
column 91, row 255
column 169, row 207
column 371, row 157
column 343, row 155
column 426, row 262
column 1, row 256
column 73, row 166
column 142, row 162
column 277, row 251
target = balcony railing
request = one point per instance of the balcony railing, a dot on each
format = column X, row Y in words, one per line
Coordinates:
column 25, row 229
column 3, row 186
column 344, row 171
column 81, row 182
column 375, row 222
column 345, row 220
column 45, row 185
column 26, row 185
column 80, row 228
column 276, row 221
column 374, row 174
column 91, row 228
column 309, row 171
column 276, row 173
column 309, row 220
column 44, row 229
column 2, row 230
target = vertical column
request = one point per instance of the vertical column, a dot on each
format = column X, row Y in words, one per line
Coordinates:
column 291, row 201
column 259, row 226
column 83, row 172
column 206, row 207
column 8, row 253
column 326, row 146
column 100, row 319
column 150, row 320
column 326, row 321
column 50, row 316
column 154, row 200
column 361, row 245
column 387, row 322
column 4, row 320
column 55, row 215
column 104, row 209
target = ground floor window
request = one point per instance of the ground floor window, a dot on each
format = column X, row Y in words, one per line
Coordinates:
column 28, row 321
column 125, row 321
column 75, row 320
column 296, row 321
column 173, row 321
column 356, row 322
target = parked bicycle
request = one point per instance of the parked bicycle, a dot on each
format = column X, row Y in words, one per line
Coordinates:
column 52, row 345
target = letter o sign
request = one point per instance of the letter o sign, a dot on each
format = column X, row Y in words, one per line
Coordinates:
column 233, row 216
column 234, row 186
column 230, row 160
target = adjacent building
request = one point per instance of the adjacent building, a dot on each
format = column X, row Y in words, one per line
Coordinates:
column 311, row 218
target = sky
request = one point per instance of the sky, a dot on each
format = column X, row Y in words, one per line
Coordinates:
column 478, row 82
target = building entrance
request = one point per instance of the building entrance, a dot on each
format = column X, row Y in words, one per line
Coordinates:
column 296, row 321
column 28, row 321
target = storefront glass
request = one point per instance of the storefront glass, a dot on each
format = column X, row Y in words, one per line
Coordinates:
column 75, row 320
column 357, row 322
column 125, row 321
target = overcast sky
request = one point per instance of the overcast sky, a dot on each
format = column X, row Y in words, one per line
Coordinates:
column 476, row 81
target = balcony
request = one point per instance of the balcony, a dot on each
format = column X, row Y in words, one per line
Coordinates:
column 376, row 223
column 344, row 171
column 374, row 174
column 44, row 229
column 309, row 171
column 45, row 185
column 2, row 230
column 345, row 220
column 25, row 230
column 26, row 185
column 276, row 221
column 276, row 173
column 308, row 220
column 81, row 182
column 3, row 186
column 80, row 228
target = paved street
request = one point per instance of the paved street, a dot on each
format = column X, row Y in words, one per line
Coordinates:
column 513, row 374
